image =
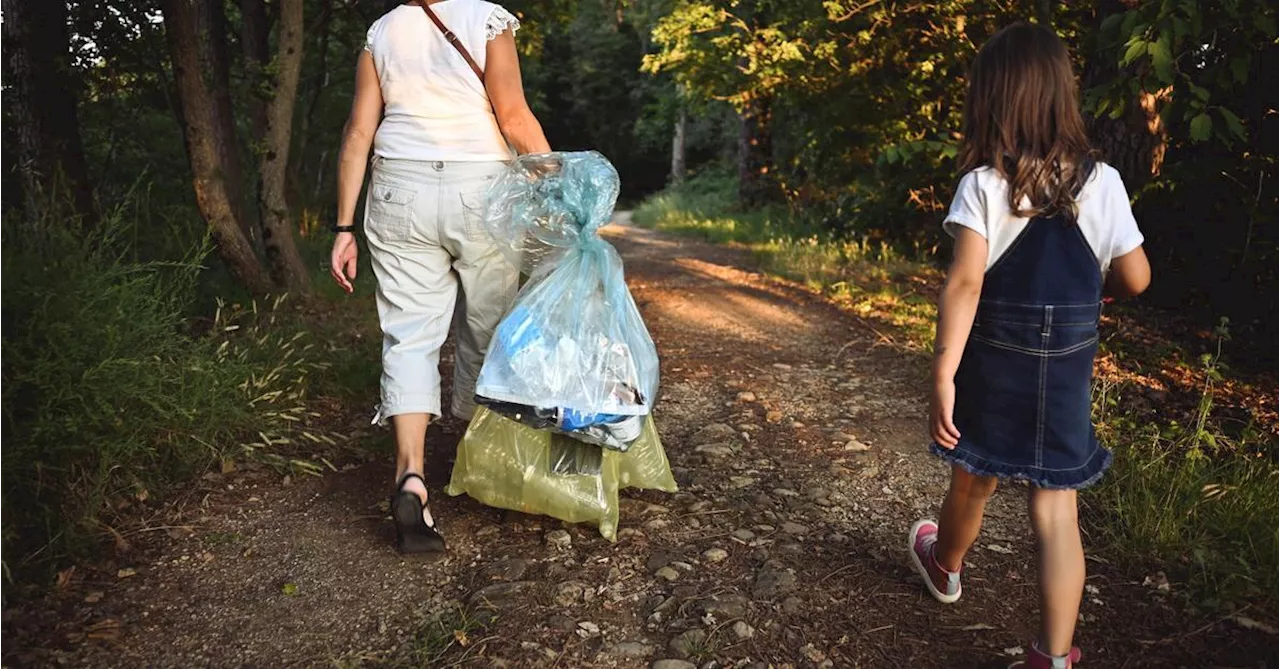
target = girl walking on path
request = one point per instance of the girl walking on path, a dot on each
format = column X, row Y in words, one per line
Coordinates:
column 1041, row 230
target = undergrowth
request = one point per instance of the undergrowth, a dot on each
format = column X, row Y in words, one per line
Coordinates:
column 1193, row 489
column 111, row 395
column 450, row 637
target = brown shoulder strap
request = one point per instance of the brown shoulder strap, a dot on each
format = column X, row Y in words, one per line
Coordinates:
column 453, row 39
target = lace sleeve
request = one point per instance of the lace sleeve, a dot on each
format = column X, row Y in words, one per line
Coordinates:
column 500, row 21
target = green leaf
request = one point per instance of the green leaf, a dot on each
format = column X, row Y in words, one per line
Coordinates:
column 1201, row 93
column 892, row 154
column 1234, row 126
column 1137, row 47
column 1240, row 69
column 1180, row 28
column 1201, row 127
column 1118, row 110
column 1162, row 59
column 1101, row 107
column 1265, row 22
column 1111, row 22
column 1130, row 20
column 289, row 589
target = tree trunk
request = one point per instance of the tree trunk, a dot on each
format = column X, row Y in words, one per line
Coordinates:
column 193, row 34
column 755, row 152
column 283, row 259
column 678, row 148
column 300, row 172
column 1135, row 143
column 38, row 68
column 255, row 35
column 1044, row 12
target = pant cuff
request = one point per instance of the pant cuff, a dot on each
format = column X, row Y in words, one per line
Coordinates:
column 423, row 404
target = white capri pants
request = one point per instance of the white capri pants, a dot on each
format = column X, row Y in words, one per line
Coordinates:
column 434, row 265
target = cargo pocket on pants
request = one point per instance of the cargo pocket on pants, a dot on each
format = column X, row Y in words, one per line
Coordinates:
column 473, row 210
column 390, row 211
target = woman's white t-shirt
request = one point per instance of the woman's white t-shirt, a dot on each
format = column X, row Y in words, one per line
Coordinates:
column 981, row 204
column 435, row 107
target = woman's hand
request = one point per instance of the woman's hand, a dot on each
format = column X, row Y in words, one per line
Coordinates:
column 941, row 405
column 342, row 260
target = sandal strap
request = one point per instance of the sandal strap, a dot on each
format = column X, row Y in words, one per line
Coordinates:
column 407, row 476
column 425, row 505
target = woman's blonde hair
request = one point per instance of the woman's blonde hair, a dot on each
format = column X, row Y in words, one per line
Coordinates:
column 1022, row 119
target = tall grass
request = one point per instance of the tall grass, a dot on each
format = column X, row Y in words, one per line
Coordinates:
column 111, row 395
column 1194, row 494
column 872, row 278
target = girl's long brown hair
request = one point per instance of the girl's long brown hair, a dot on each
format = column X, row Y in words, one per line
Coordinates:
column 1022, row 119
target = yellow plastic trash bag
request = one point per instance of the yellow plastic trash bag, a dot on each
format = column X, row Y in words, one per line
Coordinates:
column 504, row 464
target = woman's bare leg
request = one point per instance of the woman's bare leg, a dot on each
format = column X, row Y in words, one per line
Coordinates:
column 411, row 437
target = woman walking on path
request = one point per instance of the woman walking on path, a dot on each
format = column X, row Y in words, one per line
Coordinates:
column 439, row 100
column 1041, row 231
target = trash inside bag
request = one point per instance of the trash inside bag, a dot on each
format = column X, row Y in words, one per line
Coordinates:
column 505, row 464
column 607, row 430
column 573, row 355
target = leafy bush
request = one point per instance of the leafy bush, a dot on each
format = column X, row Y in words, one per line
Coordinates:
column 108, row 397
column 1197, row 491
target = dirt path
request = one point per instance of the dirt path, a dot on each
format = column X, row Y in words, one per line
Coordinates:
column 796, row 442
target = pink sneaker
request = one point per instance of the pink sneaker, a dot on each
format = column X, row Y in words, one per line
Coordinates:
column 1036, row 659
column 924, row 534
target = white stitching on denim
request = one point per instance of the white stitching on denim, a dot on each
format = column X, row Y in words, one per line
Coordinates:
column 1044, row 375
column 1037, row 306
column 1034, row 352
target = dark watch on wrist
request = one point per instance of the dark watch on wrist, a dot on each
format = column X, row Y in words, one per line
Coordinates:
column 338, row 229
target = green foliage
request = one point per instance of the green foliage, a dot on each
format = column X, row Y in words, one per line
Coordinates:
column 1199, row 55
column 1197, row 496
column 109, row 397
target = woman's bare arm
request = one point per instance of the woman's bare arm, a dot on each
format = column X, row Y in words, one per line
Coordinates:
column 353, row 158
column 506, row 92
column 357, row 138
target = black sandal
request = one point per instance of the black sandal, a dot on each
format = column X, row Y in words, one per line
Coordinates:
column 413, row 534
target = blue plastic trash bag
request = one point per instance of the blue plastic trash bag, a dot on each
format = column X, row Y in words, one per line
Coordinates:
column 573, row 354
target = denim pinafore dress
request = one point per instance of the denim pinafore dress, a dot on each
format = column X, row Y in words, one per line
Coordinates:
column 1024, row 381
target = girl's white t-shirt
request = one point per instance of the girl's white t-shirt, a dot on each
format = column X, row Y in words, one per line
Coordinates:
column 981, row 204
column 435, row 107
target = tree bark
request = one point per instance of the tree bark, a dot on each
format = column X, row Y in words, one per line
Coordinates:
column 255, row 35
column 1135, row 143
column 1044, row 12
column 755, row 152
column 193, row 32
column 678, row 148
column 300, row 174
column 38, row 68
column 286, row 265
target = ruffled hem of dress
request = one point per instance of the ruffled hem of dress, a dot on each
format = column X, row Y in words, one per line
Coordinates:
column 1071, row 479
column 500, row 20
